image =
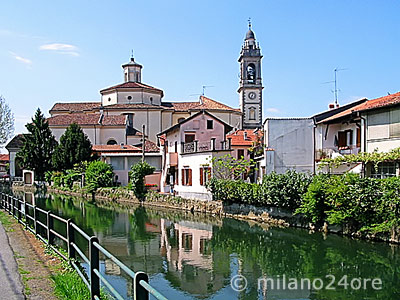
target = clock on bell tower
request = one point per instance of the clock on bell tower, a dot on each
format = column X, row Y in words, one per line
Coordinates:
column 250, row 85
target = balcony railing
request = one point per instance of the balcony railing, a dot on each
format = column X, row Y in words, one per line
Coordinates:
column 331, row 152
column 206, row 146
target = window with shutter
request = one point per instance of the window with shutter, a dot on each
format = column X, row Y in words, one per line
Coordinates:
column 190, row 177
column 342, row 139
column 201, row 177
column 183, row 176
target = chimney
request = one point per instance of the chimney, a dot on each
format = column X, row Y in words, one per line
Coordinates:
column 331, row 106
column 245, row 135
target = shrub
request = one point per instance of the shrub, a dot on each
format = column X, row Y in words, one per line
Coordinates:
column 284, row 190
column 281, row 190
column 98, row 174
column 136, row 175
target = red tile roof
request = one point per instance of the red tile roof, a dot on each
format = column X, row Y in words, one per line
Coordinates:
column 115, row 148
column 75, row 107
column 388, row 100
column 204, row 103
column 4, row 157
column 385, row 101
column 342, row 114
column 149, row 147
column 131, row 85
column 131, row 106
column 87, row 119
column 238, row 137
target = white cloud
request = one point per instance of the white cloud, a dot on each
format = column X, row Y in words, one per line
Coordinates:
column 273, row 110
column 61, row 48
column 21, row 59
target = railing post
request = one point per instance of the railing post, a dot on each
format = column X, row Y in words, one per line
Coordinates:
column 94, row 265
column 50, row 226
column 19, row 209
column 26, row 213
column 71, row 239
column 196, row 146
column 139, row 292
column 34, row 219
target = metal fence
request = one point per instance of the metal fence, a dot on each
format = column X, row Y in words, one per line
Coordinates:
column 32, row 218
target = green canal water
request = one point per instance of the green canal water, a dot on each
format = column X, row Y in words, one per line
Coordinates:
column 194, row 256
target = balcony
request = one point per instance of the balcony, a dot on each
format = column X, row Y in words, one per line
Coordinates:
column 205, row 146
column 335, row 151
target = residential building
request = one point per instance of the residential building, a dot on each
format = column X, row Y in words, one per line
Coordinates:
column 13, row 147
column 338, row 132
column 288, row 145
column 188, row 149
column 122, row 157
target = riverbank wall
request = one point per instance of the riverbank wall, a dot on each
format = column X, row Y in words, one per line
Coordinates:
column 262, row 215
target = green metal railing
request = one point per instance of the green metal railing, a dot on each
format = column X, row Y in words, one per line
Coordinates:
column 29, row 215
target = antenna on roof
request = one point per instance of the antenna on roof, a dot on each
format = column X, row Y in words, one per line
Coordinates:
column 336, row 90
column 204, row 88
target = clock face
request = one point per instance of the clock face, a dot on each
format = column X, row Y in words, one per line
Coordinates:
column 252, row 95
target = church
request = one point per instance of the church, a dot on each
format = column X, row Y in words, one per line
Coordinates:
column 116, row 123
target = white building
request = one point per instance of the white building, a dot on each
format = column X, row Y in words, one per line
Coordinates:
column 188, row 150
column 288, row 145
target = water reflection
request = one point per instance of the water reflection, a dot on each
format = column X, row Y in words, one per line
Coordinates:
column 195, row 256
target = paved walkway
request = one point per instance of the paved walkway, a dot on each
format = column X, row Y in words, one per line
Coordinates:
column 10, row 281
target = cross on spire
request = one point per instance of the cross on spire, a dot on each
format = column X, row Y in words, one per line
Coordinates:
column 249, row 20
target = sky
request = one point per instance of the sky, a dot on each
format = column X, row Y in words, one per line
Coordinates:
column 66, row 51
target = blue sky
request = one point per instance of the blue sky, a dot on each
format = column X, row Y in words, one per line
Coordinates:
column 66, row 51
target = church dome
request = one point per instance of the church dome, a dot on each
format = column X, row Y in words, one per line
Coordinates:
column 250, row 35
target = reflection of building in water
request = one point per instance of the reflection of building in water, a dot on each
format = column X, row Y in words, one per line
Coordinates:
column 192, row 265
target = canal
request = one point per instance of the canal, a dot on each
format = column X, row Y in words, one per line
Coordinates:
column 195, row 256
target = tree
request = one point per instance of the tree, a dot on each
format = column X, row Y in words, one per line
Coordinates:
column 136, row 175
column 98, row 174
column 6, row 121
column 38, row 148
column 74, row 147
column 228, row 167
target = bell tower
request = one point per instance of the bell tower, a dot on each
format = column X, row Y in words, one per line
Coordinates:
column 132, row 71
column 250, row 84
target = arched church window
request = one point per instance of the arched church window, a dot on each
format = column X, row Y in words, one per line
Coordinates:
column 252, row 113
column 251, row 73
column 111, row 142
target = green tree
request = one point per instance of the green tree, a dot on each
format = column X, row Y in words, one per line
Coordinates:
column 74, row 147
column 38, row 147
column 6, row 121
column 228, row 167
column 99, row 174
column 136, row 175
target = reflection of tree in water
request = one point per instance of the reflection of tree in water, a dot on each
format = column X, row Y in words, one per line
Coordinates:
column 86, row 215
column 296, row 253
column 138, row 221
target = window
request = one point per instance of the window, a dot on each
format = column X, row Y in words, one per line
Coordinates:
column 176, row 147
column 345, row 138
column 252, row 113
column 205, row 175
column 181, row 120
column 384, row 170
column 240, row 153
column 251, row 73
column 111, row 142
column 189, row 138
column 129, row 98
column 394, row 130
column 186, row 176
column 358, row 141
column 118, row 163
column 210, row 124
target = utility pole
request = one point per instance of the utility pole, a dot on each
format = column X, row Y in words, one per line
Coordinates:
column 143, row 142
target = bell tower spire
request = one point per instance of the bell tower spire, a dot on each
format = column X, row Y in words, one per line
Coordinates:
column 250, row 84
